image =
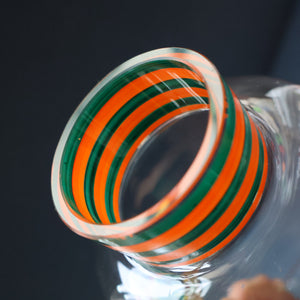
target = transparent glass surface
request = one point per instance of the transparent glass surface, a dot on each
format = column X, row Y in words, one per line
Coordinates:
column 192, row 186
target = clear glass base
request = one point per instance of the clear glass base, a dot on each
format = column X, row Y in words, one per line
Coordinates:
column 269, row 244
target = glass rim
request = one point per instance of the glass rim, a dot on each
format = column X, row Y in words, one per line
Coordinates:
column 216, row 119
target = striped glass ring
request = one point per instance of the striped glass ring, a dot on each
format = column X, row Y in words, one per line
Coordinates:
column 210, row 204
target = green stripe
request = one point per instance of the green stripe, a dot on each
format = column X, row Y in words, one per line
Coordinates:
column 199, row 191
column 220, row 208
column 238, row 218
column 113, row 125
column 92, row 108
column 134, row 135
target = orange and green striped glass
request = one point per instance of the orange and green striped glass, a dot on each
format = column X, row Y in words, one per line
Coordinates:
column 210, row 204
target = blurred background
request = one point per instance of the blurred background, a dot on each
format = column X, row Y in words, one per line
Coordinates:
column 54, row 52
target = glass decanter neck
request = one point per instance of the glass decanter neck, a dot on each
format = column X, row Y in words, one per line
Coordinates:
column 214, row 199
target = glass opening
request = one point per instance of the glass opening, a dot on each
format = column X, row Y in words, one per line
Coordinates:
column 161, row 162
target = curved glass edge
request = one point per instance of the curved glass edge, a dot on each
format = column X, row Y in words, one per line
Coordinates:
column 77, row 224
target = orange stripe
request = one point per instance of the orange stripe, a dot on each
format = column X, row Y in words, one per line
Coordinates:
column 243, row 191
column 102, row 118
column 194, row 57
column 170, row 201
column 224, row 220
column 189, row 180
column 134, row 147
column 207, row 69
column 121, row 134
column 182, row 189
column 208, row 203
